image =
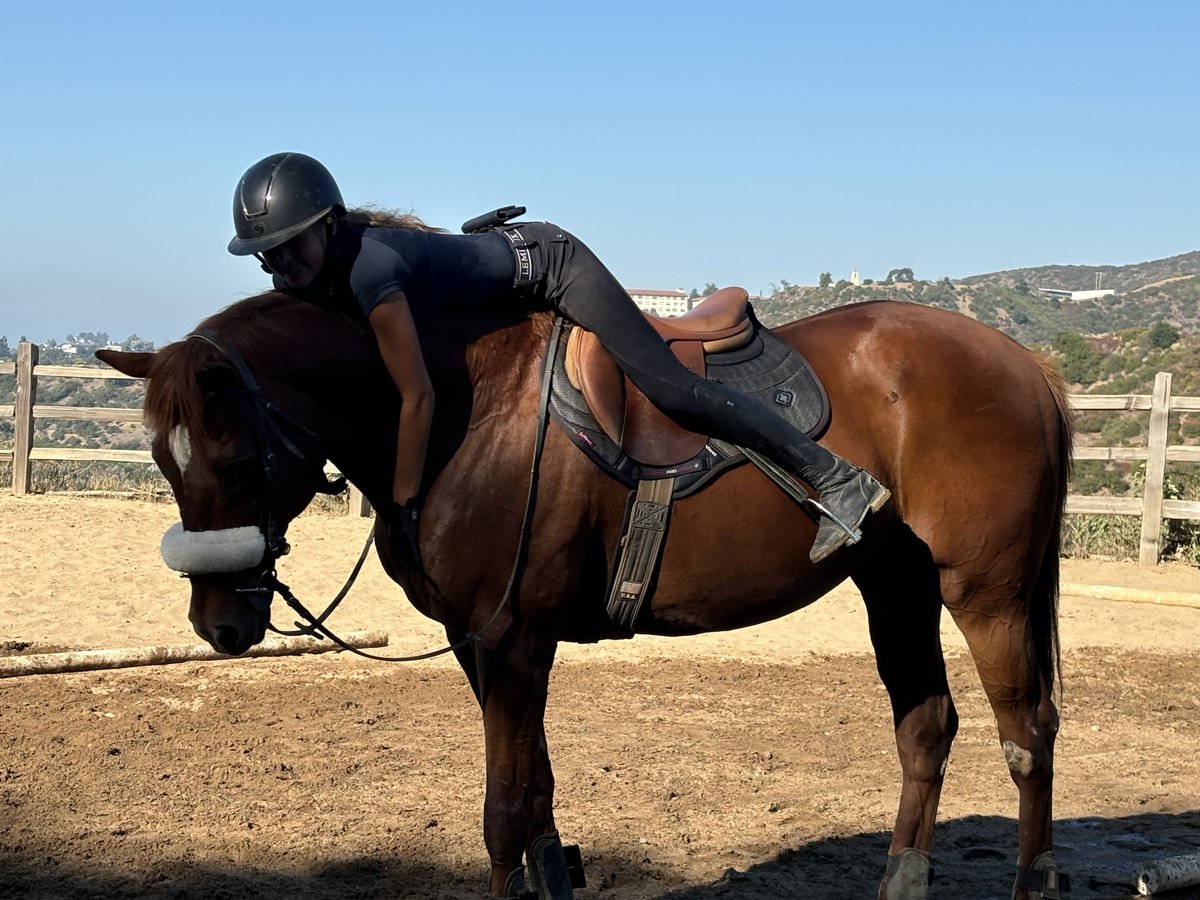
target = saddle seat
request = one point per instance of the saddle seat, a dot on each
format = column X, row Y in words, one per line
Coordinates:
column 717, row 325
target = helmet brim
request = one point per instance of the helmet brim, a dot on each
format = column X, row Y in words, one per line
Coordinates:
column 241, row 247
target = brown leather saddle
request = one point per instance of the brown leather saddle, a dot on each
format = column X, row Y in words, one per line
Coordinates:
column 718, row 325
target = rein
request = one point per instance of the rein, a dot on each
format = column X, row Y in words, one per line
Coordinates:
column 276, row 546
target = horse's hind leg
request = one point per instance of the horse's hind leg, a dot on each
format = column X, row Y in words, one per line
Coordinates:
column 999, row 633
column 904, row 609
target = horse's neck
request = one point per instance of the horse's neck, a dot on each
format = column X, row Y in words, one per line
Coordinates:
column 358, row 406
column 479, row 372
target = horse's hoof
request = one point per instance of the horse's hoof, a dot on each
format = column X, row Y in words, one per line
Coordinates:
column 550, row 874
column 1042, row 880
column 907, row 876
column 514, row 886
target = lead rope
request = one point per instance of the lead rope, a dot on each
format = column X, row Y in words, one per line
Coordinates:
column 316, row 625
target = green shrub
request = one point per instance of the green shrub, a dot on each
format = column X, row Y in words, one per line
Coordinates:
column 1161, row 335
column 1092, row 477
column 1120, row 428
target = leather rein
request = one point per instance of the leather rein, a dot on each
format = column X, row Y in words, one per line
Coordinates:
column 268, row 420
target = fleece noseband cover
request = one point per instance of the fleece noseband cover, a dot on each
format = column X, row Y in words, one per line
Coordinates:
column 212, row 552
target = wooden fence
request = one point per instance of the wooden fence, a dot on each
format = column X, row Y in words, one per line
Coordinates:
column 1151, row 506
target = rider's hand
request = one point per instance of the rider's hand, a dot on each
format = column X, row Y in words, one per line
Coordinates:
column 402, row 521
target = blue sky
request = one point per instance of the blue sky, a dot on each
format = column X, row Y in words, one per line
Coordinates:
column 686, row 142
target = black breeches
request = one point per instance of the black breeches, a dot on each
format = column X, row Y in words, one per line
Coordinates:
column 584, row 291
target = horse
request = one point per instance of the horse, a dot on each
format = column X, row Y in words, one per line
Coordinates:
column 969, row 430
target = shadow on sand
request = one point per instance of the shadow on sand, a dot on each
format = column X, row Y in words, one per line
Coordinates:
column 974, row 858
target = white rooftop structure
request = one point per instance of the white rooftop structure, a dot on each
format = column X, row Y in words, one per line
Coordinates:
column 1075, row 295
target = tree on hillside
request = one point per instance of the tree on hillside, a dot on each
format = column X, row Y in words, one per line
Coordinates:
column 5, row 352
column 709, row 289
column 902, row 275
column 1081, row 362
column 136, row 344
column 826, row 279
column 1162, row 336
column 1022, row 286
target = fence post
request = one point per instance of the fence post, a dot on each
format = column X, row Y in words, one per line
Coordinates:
column 27, row 357
column 358, row 503
column 1156, row 466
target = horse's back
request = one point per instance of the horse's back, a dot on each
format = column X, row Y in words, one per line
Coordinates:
column 964, row 424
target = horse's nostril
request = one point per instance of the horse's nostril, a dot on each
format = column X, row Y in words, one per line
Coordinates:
column 228, row 640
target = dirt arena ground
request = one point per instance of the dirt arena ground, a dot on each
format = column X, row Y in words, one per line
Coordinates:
column 746, row 765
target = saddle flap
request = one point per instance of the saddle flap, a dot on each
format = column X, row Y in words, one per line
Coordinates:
column 624, row 413
column 651, row 437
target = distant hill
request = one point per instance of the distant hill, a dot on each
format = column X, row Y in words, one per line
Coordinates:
column 1164, row 290
column 1123, row 279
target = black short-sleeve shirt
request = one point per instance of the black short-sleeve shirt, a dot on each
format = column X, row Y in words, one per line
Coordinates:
column 429, row 267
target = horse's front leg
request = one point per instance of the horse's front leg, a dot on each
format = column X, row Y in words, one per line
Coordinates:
column 518, row 813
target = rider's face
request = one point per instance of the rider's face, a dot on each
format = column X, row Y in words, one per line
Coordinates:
column 299, row 261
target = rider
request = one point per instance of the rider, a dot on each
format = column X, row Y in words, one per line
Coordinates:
column 288, row 212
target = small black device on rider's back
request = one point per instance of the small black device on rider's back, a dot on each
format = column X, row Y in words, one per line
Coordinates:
column 493, row 219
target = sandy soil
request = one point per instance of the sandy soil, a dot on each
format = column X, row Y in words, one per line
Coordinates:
column 758, row 763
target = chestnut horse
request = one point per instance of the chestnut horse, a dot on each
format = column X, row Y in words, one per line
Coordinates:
column 968, row 429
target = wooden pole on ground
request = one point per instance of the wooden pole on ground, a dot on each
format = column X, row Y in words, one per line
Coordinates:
column 1168, row 874
column 1130, row 595
column 88, row 660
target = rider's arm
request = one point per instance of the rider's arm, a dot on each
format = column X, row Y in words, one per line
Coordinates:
column 396, row 334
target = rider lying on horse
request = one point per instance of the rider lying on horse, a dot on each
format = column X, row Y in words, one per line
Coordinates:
column 288, row 212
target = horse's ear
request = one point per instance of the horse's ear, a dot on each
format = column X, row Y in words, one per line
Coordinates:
column 135, row 365
column 218, row 379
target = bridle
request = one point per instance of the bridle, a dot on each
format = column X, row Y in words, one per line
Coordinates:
column 267, row 419
column 266, row 425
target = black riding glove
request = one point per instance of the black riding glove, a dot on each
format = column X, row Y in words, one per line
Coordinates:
column 402, row 521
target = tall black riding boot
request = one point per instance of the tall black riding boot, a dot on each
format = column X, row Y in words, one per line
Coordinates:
column 847, row 493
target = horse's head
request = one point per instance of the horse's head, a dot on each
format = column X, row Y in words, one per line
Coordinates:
column 236, row 436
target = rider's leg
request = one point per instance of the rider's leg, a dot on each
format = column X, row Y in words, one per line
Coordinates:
column 593, row 298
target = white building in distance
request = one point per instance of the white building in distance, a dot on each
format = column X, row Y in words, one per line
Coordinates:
column 661, row 303
column 1075, row 295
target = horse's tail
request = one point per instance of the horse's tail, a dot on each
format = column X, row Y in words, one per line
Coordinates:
column 1043, row 611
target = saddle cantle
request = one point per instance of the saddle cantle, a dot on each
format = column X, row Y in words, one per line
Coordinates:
column 720, row 324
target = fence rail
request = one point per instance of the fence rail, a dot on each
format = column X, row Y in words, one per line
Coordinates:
column 1152, row 506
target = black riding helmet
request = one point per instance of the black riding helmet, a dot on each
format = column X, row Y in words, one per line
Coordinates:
column 278, row 198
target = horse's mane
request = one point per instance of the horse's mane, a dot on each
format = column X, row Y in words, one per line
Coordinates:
column 252, row 327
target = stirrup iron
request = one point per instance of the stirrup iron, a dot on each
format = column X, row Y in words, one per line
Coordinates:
column 853, row 535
